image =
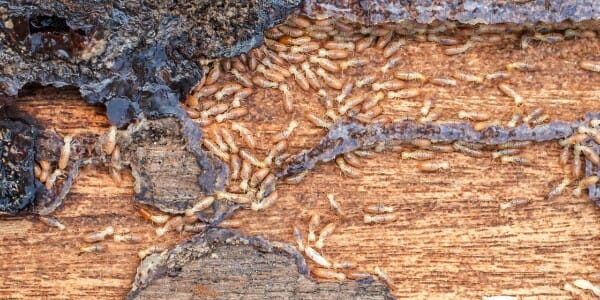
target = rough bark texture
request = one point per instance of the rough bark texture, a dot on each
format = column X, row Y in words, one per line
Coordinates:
column 224, row 264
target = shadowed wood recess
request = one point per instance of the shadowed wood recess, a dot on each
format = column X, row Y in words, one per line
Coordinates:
column 450, row 239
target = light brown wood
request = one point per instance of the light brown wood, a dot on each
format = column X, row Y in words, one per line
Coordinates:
column 451, row 240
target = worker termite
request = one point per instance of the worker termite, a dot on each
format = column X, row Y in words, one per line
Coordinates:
column 214, row 110
column 440, row 148
column 299, row 238
column 591, row 132
column 461, row 147
column 391, row 62
column 404, row 94
column 584, row 183
column 262, row 82
column 295, row 179
column 358, row 275
column 429, row 166
column 245, row 133
column 227, row 90
column 514, row 144
column 318, row 121
column 589, row 153
column 250, row 158
column 586, row 285
column 235, row 165
column 313, row 81
column 520, row 66
column 513, row 203
column 269, row 74
column 233, row 197
column 266, row 202
column 410, row 76
column 479, row 126
column 514, row 120
column 291, row 31
column 244, row 79
column 379, row 218
column 589, row 65
column 333, row 54
column 352, row 159
column 316, row 257
column 372, row 101
column 65, row 152
column 286, row 132
column 218, row 139
column 353, row 63
column 346, row 90
column 207, row 91
column 52, row 178
column 293, row 58
column 332, row 114
column 366, row 80
column 442, row 40
column 275, row 45
column 558, row 189
column 577, row 167
column 150, row 250
column 344, row 265
column 505, row 152
column 279, row 160
column 350, row 103
column 306, row 48
column 574, row 139
column 192, row 113
column 333, row 45
column 232, row 114
column 298, row 21
column 215, row 149
column 467, row 77
column 229, row 140
column 325, row 232
column 258, row 176
column 532, row 115
column 99, row 235
column 126, row 238
column 300, row 78
column 391, row 85
column 158, row 219
column 540, row 119
column 473, row 116
column 245, row 173
column 564, row 155
column 328, row 274
column 379, row 209
column 383, row 277
column 50, row 221
column 509, row 91
column 458, row 49
column 345, row 168
column 174, row 223
column 214, row 74
column 335, row 205
column 288, row 101
column 314, row 222
column 497, row 76
column 418, row 155
column 92, row 249
column 550, row 38
column 329, row 79
column 275, row 151
column 383, row 41
column 393, row 47
column 364, row 43
column 201, row 205
column 110, row 140
column 513, row 159
column 442, row 81
column 421, row 143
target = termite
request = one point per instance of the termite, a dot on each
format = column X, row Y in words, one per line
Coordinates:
column 346, row 90
column 306, row 48
column 313, row 81
column 329, row 79
column 443, row 81
column 52, row 178
column 110, row 140
column 245, row 133
column 514, row 120
column 574, row 139
column 279, row 160
column 233, row 197
column 252, row 60
column 429, row 166
column 150, row 250
column 365, row 81
column 298, row 21
column 458, row 49
column 520, row 66
column 316, row 257
column 589, row 153
column 258, row 176
column 479, row 126
column 235, row 165
column 291, row 31
column 300, row 78
column 214, row 74
column 174, row 223
column 383, row 41
column 262, row 82
column 192, row 113
column 332, row 114
column 115, row 159
column 275, row 151
column 345, row 168
column 497, row 76
column 229, row 140
column 65, row 152
column 275, row 45
column 266, row 202
column 218, row 139
column 350, row 103
column 355, row 62
column 99, row 235
column 505, row 152
column 325, row 232
column 333, row 54
column 318, row 121
column 461, row 147
column 328, row 274
column 379, row 218
column 513, row 203
column 589, row 65
column 50, row 221
column 421, row 143
column 391, row 62
column 215, row 149
column 583, row 184
column 564, row 155
column 577, row 167
column 540, row 119
column 532, row 115
column 201, row 205
column 442, row 40
column 245, row 174
column 591, row 132
column 509, row 91
column 288, row 101
column 295, row 179
column 286, row 132
column 440, row 148
column 158, row 219
column 391, row 85
column 227, row 90
column 586, row 285
column 127, row 238
column 467, row 77
column 269, row 74
column 473, row 116
column 372, row 101
column 411, row 76
column 244, row 79
column 335, row 205
column 418, row 155
column 558, row 189
column 314, row 222
column 393, row 47
column 383, row 277
column 207, row 91
column 514, row 144
column 358, row 275
column 404, row 94
column 92, row 249
column 352, row 159
column 379, row 209
column 364, row 43
column 293, row 58
column 232, row 114
column 344, row 265
column 250, row 158
column 299, row 238
column 513, row 159
column 214, row 110
column 550, row 38
column 332, row 45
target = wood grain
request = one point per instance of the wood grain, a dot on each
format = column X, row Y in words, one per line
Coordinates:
column 451, row 239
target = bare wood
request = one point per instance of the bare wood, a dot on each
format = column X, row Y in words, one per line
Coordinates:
column 451, row 239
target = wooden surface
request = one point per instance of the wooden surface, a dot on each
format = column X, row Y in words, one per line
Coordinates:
column 451, row 239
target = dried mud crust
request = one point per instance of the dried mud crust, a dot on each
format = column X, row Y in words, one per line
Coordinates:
column 470, row 12
column 171, row 171
column 134, row 57
column 223, row 264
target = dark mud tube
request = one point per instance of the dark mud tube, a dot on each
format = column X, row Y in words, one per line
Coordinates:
column 135, row 57
column 224, row 264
